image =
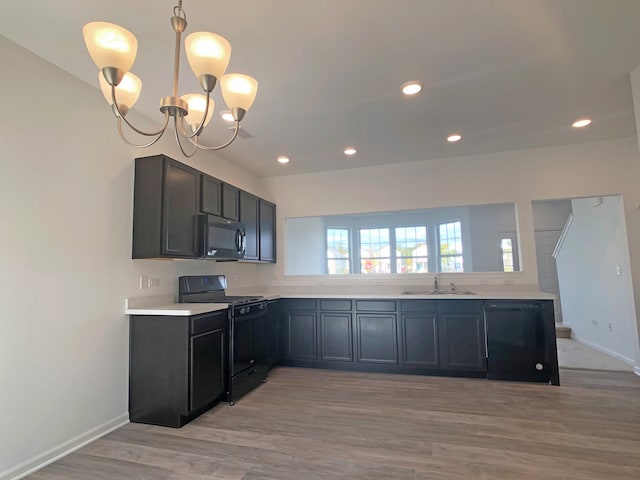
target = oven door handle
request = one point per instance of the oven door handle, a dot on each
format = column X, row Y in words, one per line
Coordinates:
column 252, row 316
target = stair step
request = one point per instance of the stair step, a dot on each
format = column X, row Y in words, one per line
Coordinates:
column 562, row 331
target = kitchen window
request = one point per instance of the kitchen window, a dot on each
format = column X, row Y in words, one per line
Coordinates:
column 508, row 252
column 375, row 250
column 338, row 251
column 450, row 241
column 411, row 249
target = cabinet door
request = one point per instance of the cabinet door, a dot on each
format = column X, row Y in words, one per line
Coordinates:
column 336, row 337
column 211, row 195
column 230, row 195
column 207, row 363
column 420, row 340
column 249, row 216
column 462, row 341
column 180, row 210
column 267, row 231
column 377, row 338
column 302, row 336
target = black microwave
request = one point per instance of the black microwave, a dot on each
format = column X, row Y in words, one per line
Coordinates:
column 220, row 239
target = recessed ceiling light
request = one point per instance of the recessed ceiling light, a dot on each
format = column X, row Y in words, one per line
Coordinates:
column 583, row 122
column 350, row 151
column 227, row 116
column 282, row 159
column 411, row 88
column 454, row 138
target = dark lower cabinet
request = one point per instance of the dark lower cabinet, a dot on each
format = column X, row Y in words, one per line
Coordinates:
column 336, row 338
column 420, row 340
column 419, row 333
column 176, row 366
column 302, row 336
column 207, row 369
column 432, row 337
column 377, row 338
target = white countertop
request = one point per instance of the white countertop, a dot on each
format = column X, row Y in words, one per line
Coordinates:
column 178, row 309
column 161, row 305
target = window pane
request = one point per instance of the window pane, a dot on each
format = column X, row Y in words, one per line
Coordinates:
column 338, row 267
column 450, row 238
column 375, row 265
column 506, row 248
column 451, row 263
column 375, row 250
column 411, row 249
column 412, row 265
column 337, row 250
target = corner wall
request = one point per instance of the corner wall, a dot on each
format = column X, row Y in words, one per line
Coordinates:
column 597, row 302
column 66, row 196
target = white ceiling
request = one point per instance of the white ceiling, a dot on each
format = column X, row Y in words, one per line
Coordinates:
column 506, row 74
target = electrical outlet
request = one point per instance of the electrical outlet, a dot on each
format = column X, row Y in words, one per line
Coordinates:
column 154, row 282
column 144, row 282
column 618, row 270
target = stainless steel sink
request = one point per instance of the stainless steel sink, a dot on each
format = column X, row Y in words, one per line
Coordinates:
column 439, row 292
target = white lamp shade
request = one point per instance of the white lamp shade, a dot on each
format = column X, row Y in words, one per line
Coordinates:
column 238, row 90
column 110, row 45
column 197, row 103
column 127, row 91
column 207, row 53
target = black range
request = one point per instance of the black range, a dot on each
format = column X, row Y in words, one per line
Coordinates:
column 246, row 343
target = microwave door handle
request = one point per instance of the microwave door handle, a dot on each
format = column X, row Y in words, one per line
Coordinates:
column 239, row 241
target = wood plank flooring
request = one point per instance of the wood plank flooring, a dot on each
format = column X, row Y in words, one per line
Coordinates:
column 307, row 424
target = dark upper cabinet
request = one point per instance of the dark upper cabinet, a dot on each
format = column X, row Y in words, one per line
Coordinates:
column 267, row 231
column 211, row 195
column 249, row 216
column 461, row 331
column 259, row 218
column 166, row 202
column 230, row 202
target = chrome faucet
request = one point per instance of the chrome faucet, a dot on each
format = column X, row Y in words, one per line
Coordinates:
column 435, row 284
column 453, row 286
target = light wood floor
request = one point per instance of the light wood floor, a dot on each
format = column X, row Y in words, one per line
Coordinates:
column 316, row 425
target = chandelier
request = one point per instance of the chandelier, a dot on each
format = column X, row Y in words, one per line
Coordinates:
column 113, row 49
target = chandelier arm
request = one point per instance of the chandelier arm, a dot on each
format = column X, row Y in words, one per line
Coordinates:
column 135, row 145
column 219, row 147
column 121, row 115
column 177, row 135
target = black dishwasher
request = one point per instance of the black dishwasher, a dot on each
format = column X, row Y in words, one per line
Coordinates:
column 518, row 343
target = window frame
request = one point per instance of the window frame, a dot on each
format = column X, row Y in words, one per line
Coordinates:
column 349, row 258
column 438, row 246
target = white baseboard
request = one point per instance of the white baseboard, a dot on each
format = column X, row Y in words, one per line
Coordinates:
column 622, row 358
column 50, row 456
